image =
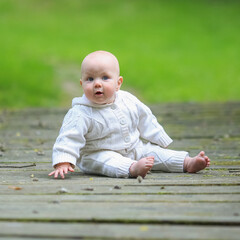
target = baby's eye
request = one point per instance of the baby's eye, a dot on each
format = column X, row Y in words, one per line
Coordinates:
column 90, row 79
column 105, row 78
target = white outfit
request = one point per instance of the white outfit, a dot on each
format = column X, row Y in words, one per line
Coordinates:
column 107, row 139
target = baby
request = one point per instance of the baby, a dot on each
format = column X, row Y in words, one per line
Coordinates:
column 110, row 132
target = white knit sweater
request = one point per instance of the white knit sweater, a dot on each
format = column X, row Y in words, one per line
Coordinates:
column 89, row 127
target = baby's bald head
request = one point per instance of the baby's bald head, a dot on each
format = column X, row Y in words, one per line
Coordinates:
column 98, row 59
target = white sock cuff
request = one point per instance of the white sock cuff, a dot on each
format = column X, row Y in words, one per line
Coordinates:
column 123, row 167
column 177, row 161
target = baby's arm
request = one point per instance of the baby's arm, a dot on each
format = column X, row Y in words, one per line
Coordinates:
column 149, row 127
column 61, row 168
column 70, row 141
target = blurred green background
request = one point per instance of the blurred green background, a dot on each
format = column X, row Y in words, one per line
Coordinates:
column 170, row 50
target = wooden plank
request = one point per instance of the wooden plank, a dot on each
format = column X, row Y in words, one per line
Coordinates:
column 170, row 112
column 130, row 198
column 77, row 187
column 36, row 155
column 223, row 148
column 139, row 212
column 181, row 120
column 175, row 130
column 114, row 231
column 205, row 178
column 45, row 163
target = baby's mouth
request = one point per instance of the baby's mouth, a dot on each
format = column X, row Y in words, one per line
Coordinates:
column 98, row 93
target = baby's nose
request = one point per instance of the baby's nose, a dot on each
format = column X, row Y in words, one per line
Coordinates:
column 97, row 83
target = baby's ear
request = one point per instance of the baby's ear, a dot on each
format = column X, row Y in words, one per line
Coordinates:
column 119, row 82
column 80, row 82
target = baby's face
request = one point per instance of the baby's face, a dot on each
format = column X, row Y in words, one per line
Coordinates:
column 100, row 78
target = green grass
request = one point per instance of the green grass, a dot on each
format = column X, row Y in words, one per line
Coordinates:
column 168, row 50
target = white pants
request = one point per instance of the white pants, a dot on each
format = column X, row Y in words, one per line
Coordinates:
column 117, row 163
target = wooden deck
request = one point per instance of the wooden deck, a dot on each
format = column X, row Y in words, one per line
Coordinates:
column 205, row 205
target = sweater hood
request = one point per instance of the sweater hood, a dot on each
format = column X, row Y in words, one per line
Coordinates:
column 85, row 102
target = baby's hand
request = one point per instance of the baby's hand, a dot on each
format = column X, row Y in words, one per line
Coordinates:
column 61, row 168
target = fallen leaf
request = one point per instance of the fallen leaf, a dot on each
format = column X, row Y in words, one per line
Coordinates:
column 2, row 147
column 40, row 153
column 88, row 189
column 62, row 190
column 144, row 228
column 15, row 187
column 18, row 134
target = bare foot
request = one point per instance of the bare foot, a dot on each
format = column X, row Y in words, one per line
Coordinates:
column 141, row 167
column 197, row 163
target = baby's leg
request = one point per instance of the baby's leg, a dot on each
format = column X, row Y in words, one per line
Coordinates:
column 165, row 160
column 141, row 167
column 108, row 163
column 175, row 161
column 197, row 163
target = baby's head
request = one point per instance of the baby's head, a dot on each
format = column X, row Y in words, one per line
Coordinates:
column 100, row 77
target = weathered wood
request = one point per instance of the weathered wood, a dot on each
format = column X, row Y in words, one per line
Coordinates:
column 163, row 206
column 223, row 151
column 204, row 178
column 115, row 231
column 139, row 212
column 78, row 187
column 130, row 198
column 181, row 120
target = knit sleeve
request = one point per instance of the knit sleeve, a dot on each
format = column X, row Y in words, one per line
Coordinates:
column 71, row 138
column 149, row 127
